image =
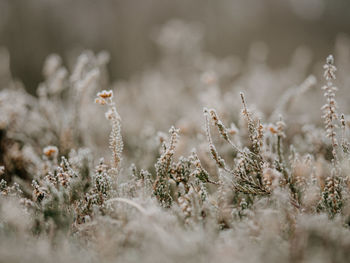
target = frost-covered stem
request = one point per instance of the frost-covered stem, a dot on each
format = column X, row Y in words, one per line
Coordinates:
column 344, row 141
column 279, row 151
column 170, row 150
column 199, row 171
column 330, row 108
column 255, row 133
column 115, row 139
column 249, row 119
column 161, row 186
column 221, row 127
column 214, row 153
column 280, row 135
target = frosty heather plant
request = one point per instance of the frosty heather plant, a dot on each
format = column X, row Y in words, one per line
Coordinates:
column 38, row 192
column 163, row 166
column 255, row 131
column 214, row 153
column 242, row 199
column 224, row 132
column 199, row 171
column 248, row 168
column 102, row 182
column 332, row 200
column 330, row 108
column 115, row 139
column 331, row 196
column 65, row 173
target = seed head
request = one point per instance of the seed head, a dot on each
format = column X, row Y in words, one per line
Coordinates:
column 50, row 151
column 105, row 94
column 104, row 97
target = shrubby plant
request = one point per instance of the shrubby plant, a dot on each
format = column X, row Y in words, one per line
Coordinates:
column 238, row 184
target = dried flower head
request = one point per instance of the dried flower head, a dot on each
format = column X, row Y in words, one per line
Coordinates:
column 273, row 129
column 104, row 94
column 50, row 151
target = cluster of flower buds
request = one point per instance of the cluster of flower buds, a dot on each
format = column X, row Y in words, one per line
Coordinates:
column 104, row 97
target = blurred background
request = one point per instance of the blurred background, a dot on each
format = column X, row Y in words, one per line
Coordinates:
column 32, row 29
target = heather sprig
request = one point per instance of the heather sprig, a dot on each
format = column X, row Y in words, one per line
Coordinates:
column 115, row 139
column 332, row 200
column 163, row 170
column 330, row 114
